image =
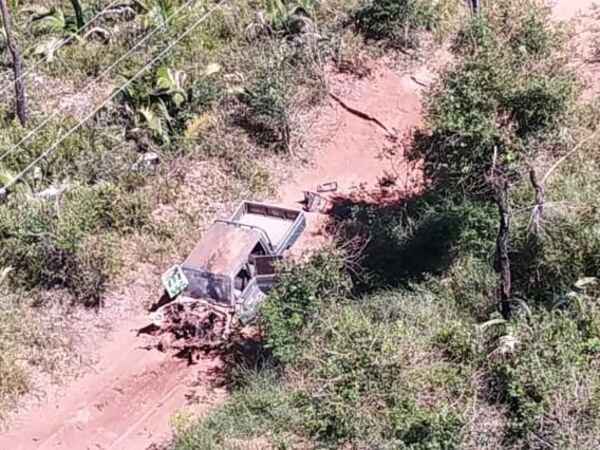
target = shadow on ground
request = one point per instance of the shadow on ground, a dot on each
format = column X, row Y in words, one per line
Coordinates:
column 405, row 241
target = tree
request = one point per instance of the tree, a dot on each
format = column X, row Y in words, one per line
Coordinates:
column 78, row 13
column 493, row 114
column 17, row 63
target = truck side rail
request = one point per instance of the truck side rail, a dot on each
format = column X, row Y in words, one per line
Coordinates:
column 265, row 209
column 292, row 234
column 252, row 227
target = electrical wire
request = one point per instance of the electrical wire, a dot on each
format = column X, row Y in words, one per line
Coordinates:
column 98, row 78
column 50, row 149
column 62, row 44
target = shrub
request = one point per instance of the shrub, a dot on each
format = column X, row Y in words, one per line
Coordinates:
column 510, row 94
column 550, row 375
column 364, row 382
column 49, row 247
column 264, row 113
column 568, row 246
column 396, row 21
column 91, row 269
column 302, row 292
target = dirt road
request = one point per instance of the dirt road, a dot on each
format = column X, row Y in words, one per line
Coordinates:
column 568, row 9
column 127, row 401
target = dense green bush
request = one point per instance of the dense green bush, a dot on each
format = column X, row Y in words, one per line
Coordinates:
column 396, row 21
column 363, row 376
column 48, row 244
column 303, row 292
column 567, row 247
column 510, row 93
column 264, row 113
column 551, row 374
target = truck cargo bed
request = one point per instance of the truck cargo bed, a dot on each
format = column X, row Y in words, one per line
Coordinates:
column 275, row 227
column 280, row 224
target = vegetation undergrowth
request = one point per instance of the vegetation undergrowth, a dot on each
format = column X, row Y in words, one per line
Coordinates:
column 403, row 345
column 220, row 103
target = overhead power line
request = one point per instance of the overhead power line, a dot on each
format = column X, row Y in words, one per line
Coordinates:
column 62, row 44
column 111, row 97
column 86, row 88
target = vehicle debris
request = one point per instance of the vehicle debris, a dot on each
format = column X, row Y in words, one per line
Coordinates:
column 146, row 161
column 227, row 274
column 328, row 187
column 312, row 201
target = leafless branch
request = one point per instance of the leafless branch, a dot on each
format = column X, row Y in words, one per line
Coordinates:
column 568, row 155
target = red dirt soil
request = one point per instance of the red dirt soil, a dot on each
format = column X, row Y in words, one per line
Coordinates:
column 127, row 402
column 129, row 398
column 350, row 150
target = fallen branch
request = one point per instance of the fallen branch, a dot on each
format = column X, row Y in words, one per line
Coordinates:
column 568, row 155
column 361, row 114
column 420, row 83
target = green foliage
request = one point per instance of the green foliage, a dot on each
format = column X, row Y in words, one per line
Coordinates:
column 568, row 247
column 167, row 101
column 396, row 21
column 303, row 292
column 49, row 246
column 364, row 380
column 264, row 113
column 288, row 17
column 509, row 94
column 550, row 373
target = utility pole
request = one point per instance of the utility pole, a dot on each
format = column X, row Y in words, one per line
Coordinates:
column 17, row 63
column 78, row 13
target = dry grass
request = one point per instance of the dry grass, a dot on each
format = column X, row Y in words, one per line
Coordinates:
column 34, row 349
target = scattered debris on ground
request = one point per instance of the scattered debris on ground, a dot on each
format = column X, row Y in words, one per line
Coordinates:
column 186, row 326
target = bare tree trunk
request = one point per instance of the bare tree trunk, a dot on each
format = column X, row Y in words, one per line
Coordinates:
column 78, row 13
column 501, row 197
column 17, row 63
column 538, row 207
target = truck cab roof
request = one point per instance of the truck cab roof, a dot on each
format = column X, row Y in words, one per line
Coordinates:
column 224, row 249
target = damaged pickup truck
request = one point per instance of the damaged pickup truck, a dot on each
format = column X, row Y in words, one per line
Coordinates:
column 229, row 271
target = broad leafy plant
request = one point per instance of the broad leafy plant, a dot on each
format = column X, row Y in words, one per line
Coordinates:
column 166, row 101
column 285, row 17
column 63, row 29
